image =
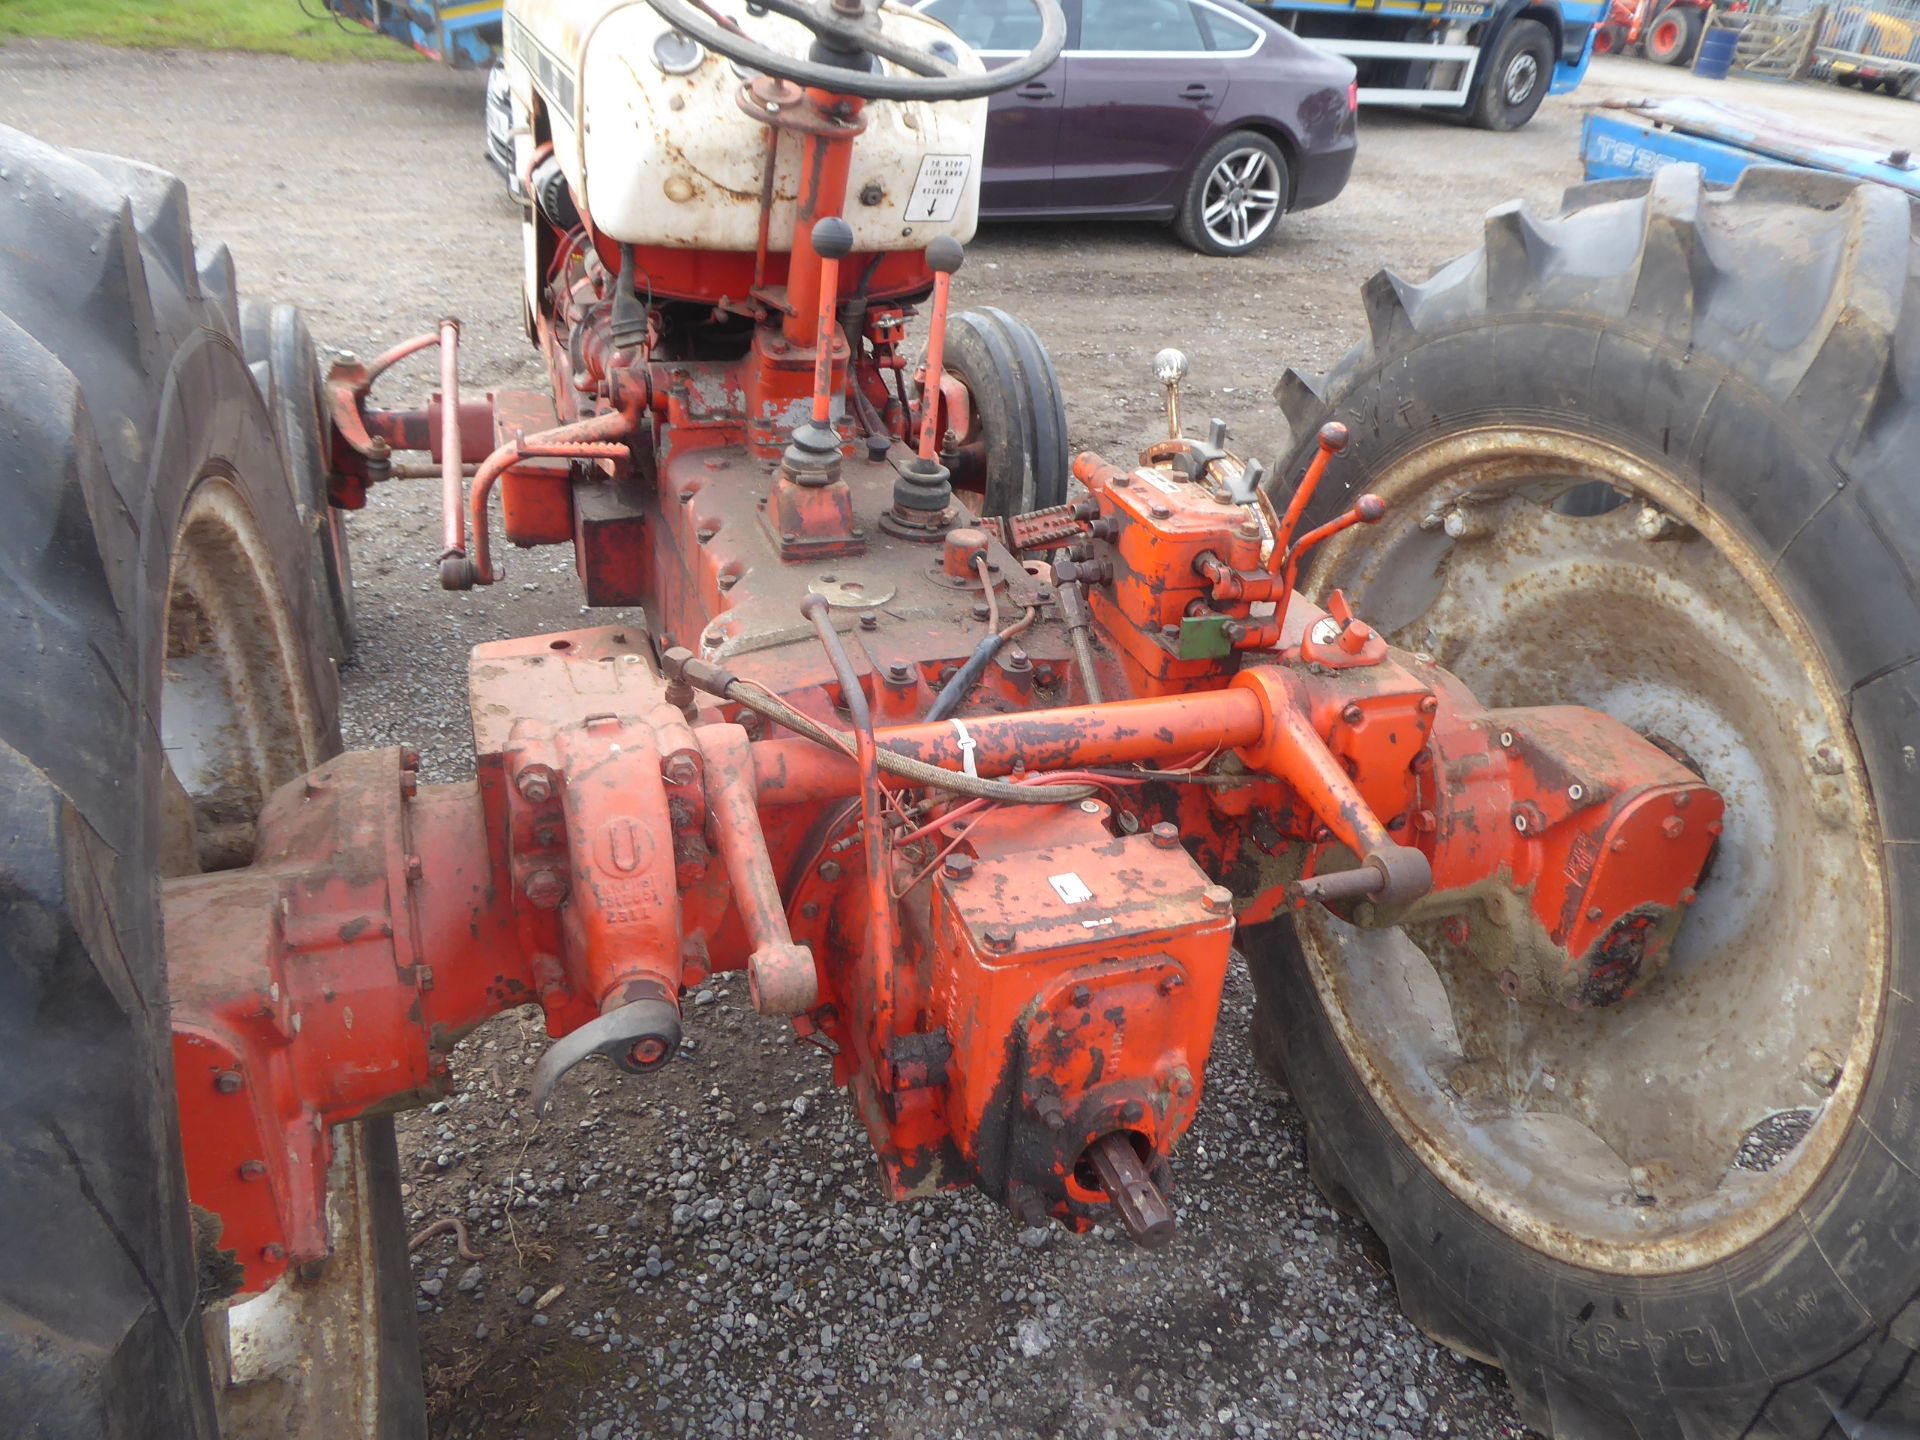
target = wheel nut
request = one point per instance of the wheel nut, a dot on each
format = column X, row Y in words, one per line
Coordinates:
column 1353, row 715
column 1673, row 827
column 545, row 889
column 228, row 1082
column 1165, row 835
column 253, row 1170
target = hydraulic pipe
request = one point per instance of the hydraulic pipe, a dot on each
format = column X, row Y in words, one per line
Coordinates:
column 452, row 477
column 880, row 936
column 595, row 438
column 1124, row 732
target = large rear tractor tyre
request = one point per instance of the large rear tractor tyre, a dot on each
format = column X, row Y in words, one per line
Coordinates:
column 168, row 671
column 1655, row 456
column 1013, row 458
column 1674, row 35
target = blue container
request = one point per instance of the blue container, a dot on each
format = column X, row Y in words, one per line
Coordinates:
column 1716, row 54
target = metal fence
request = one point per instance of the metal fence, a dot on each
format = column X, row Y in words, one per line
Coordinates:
column 1880, row 30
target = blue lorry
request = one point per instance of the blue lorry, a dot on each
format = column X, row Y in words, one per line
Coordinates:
column 464, row 34
column 1492, row 60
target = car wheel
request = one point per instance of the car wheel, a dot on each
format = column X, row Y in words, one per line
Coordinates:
column 1517, row 80
column 1674, row 35
column 1235, row 197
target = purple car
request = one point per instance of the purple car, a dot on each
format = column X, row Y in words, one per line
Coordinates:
column 1202, row 112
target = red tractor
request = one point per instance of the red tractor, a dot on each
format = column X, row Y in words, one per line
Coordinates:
column 1541, row 727
column 1667, row 32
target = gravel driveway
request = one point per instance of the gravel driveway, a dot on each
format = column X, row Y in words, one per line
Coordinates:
column 705, row 1252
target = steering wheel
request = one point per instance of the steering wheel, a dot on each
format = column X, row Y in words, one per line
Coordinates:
column 851, row 29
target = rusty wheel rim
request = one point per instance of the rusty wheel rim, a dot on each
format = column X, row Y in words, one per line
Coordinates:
column 1677, row 1128
column 237, row 717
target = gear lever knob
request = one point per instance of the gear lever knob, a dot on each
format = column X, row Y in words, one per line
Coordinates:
column 945, row 255
column 832, row 238
column 1170, row 368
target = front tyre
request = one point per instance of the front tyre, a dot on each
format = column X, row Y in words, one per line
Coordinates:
column 1012, row 458
column 1681, row 423
column 1235, row 197
column 1517, row 77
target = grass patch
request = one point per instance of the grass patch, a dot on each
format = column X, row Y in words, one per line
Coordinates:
column 272, row 27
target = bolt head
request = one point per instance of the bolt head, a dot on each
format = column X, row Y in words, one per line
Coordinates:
column 999, row 937
column 957, row 867
column 646, row 1052
column 1165, row 835
column 535, row 783
column 1218, row 899
column 1082, row 996
column 545, row 889
column 253, row 1170
column 830, row 871
column 228, row 1082
column 1673, row 827
column 1353, row 715
column 274, row 1252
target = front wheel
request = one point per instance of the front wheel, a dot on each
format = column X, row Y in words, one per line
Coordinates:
column 1012, row 458
column 1517, row 77
column 1682, row 423
column 1235, row 197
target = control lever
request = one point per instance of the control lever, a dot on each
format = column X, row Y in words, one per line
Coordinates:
column 944, row 256
column 1170, row 368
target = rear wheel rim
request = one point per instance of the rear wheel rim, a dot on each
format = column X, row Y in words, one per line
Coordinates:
column 236, row 717
column 1520, row 1108
column 1241, row 198
column 1666, row 36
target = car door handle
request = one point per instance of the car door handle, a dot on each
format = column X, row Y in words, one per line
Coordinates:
column 1035, row 90
column 1197, row 91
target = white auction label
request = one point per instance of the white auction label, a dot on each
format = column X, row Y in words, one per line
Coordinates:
column 1070, row 888
column 938, row 188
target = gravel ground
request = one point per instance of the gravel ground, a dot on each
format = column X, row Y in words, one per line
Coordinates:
column 705, row 1252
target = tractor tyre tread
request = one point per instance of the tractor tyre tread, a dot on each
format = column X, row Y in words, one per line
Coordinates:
column 121, row 384
column 1764, row 341
column 1006, row 368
